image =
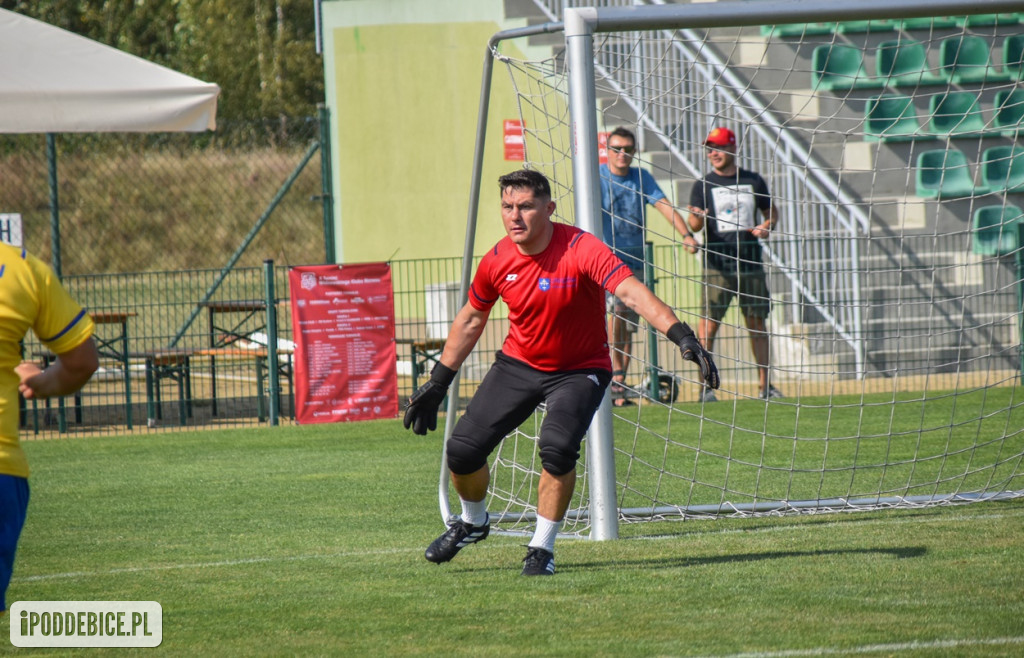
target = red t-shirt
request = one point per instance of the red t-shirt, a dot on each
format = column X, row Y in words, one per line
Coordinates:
column 555, row 299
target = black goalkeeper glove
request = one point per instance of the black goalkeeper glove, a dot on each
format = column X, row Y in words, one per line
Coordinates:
column 681, row 334
column 421, row 410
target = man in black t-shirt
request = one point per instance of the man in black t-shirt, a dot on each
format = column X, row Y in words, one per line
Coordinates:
column 734, row 208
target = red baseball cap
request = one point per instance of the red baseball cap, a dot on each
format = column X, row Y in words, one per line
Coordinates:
column 721, row 137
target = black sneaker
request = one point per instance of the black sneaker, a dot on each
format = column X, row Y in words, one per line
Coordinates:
column 706, row 395
column 538, row 562
column 455, row 538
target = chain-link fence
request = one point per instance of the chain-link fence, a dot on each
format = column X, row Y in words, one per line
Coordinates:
column 188, row 349
column 150, row 232
column 106, row 203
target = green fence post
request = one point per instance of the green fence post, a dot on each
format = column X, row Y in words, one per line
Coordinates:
column 274, row 388
column 51, row 172
column 653, row 385
column 326, row 198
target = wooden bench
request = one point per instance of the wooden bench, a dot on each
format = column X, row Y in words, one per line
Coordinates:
column 167, row 363
column 260, row 355
column 424, row 352
column 47, row 357
column 176, row 364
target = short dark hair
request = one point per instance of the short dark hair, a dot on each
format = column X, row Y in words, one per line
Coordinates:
column 623, row 132
column 526, row 179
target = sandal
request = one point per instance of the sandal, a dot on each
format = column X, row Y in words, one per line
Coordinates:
column 617, row 386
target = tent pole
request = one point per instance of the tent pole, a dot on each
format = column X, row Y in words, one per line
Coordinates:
column 51, row 166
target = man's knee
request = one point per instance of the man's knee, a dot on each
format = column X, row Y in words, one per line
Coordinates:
column 559, row 445
column 756, row 326
column 558, row 460
column 465, row 455
column 707, row 329
column 464, row 458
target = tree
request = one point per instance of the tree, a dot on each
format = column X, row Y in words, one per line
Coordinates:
column 260, row 52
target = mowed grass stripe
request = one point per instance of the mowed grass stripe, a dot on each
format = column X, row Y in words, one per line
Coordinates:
column 780, row 528
column 308, row 541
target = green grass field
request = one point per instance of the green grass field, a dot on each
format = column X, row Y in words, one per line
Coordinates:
column 309, row 541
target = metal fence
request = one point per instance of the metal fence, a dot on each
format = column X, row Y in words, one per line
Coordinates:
column 151, row 232
column 103, row 203
column 187, row 349
column 172, row 354
column 166, row 240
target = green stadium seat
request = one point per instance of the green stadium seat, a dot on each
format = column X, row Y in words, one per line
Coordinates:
column 1009, row 114
column 1013, row 56
column 928, row 23
column 986, row 20
column 845, row 27
column 944, row 174
column 837, row 66
column 995, row 230
column 873, row 25
column 891, row 117
column 904, row 62
column 798, row 29
column 966, row 58
column 1002, row 168
column 956, row 114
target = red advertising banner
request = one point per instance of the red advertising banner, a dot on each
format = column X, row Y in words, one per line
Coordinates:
column 602, row 147
column 343, row 322
column 515, row 144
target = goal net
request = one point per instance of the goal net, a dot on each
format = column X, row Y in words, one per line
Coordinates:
column 896, row 270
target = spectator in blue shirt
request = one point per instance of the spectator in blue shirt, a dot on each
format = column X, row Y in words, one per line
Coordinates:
column 626, row 191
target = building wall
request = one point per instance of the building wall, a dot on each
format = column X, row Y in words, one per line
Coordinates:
column 403, row 85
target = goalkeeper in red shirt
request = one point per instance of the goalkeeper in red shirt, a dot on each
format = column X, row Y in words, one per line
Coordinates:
column 553, row 277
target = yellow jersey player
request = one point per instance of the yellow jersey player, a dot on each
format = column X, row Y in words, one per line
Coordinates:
column 31, row 297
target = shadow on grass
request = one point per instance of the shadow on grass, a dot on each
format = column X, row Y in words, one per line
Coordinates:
column 691, row 561
column 777, row 523
column 662, row 563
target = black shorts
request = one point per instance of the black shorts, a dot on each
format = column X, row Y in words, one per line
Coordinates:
column 721, row 288
column 509, row 394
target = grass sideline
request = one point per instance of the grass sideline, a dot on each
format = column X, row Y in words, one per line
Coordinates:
column 309, row 541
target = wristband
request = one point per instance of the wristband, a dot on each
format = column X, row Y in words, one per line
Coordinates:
column 678, row 332
column 442, row 374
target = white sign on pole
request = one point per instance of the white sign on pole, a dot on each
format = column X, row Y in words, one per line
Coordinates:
column 10, row 228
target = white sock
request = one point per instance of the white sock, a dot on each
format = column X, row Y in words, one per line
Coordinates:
column 544, row 535
column 474, row 513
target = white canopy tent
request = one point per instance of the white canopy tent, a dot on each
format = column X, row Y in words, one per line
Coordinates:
column 55, row 81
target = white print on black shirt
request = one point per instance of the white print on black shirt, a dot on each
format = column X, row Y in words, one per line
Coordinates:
column 734, row 207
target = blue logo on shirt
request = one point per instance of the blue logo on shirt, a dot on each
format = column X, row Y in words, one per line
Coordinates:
column 557, row 283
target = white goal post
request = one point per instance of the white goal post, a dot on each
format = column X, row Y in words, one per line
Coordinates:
column 822, row 447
